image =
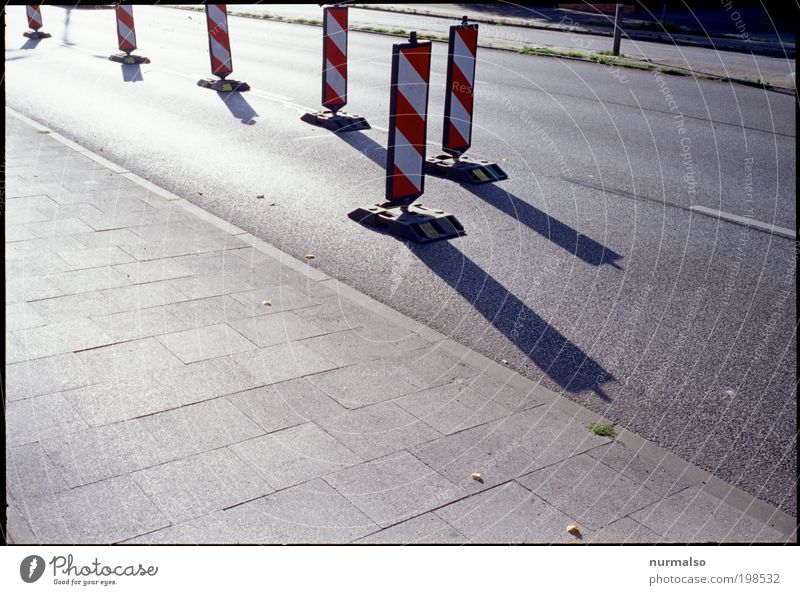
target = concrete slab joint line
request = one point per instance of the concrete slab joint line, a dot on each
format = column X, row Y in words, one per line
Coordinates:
column 356, row 463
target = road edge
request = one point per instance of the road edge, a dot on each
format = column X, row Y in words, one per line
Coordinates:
column 732, row 495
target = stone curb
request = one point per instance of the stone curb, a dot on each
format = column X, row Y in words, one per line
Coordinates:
column 730, row 494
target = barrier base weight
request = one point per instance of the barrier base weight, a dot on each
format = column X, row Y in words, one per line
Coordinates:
column 410, row 222
column 339, row 122
column 124, row 58
column 36, row 35
column 223, row 85
column 465, row 169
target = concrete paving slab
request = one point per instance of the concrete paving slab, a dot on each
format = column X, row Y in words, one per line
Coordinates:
column 73, row 307
column 94, row 257
column 30, row 473
column 205, row 343
column 18, row 233
column 285, row 404
column 453, row 407
column 354, row 345
column 424, row 529
column 23, row 315
column 209, row 529
column 15, row 352
column 195, row 486
column 27, row 289
column 87, row 280
column 209, row 285
column 138, row 324
column 295, row 455
column 96, row 454
column 312, row 512
column 589, row 491
column 121, row 398
column 41, row 417
column 153, row 270
column 102, row 513
column 106, row 239
column 66, row 227
column 394, row 488
column 624, row 531
column 145, row 295
column 693, row 515
column 200, row 427
column 282, row 362
column 366, row 383
column 209, row 311
column 46, row 375
column 508, row 514
column 652, row 474
column 378, row 430
column 62, row 337
column 276, row 328
column 282, row 297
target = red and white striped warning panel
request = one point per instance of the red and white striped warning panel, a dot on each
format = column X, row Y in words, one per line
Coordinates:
column 34, row 16
column 408, row 120
column 126, row 32
column 463, row 47
column 334, row 58
column 219, row 44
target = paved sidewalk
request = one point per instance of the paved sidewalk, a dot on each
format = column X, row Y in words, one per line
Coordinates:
column 172, row 379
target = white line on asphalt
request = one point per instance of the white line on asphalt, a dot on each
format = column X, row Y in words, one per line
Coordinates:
column 768, row 227
column 313, row 136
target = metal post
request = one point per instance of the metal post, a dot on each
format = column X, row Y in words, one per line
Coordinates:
column 617, row 29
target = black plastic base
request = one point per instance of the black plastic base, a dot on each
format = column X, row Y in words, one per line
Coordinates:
column 124, row 58
column 412, row 222
column 36, row 34
column 339, row 122
column 223, row 85
column 465, row 169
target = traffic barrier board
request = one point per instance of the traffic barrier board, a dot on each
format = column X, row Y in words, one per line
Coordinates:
column 34, row 14
column 458, row 113
column 126, row 37
column 405, row 160
column 219, row 50
column 334, row 76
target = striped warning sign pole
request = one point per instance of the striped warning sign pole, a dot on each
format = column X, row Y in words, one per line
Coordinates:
column 405, row 158
column 34, row 14
column 219, row 50
column 408, row 121
column 126, row 37
column 334, row 75
column 458, row 104
column 462, row 49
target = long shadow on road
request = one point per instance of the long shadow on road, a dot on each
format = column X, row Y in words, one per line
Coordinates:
column 561, row 234
column 563, row 361
column 239, row 107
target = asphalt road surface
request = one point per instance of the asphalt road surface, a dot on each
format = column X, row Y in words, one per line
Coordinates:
column 587, row 270
column 687, row 56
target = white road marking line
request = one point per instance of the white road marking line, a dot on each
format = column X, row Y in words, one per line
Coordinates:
column 746, row 221
column 313, row 136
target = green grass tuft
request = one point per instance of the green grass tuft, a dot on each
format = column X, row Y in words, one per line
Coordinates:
column 606, row 430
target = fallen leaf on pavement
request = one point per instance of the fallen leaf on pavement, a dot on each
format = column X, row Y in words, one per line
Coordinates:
column 310, row 257
column 266, row 303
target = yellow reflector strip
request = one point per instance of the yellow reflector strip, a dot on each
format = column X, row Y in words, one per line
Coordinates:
column 429, row 230
column 480, row 175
